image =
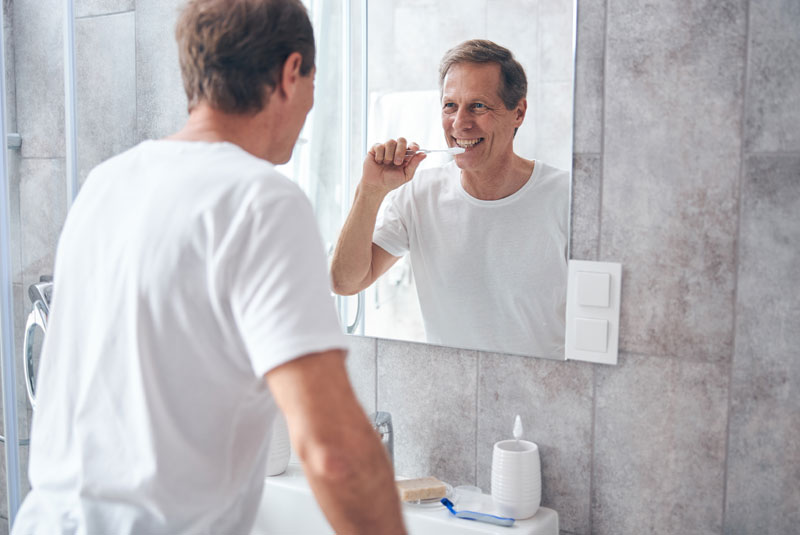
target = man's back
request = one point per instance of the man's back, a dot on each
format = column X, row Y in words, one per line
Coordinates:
column 177, row 263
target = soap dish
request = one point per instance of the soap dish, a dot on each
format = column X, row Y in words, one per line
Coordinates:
column 433, row 502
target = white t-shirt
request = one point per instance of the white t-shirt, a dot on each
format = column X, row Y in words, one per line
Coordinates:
column 490, row 275
column 184, row 272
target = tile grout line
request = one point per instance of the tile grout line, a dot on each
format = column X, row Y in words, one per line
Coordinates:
column 738, row 242
column 593, row 435
column 375, row 373
column 602, row 135
column 598, row 258
column 100, row 15
column 137, row 136
column 772, row 154
column 477, row 411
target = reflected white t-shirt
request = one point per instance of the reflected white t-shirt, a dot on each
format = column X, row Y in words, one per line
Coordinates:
column 184, row 273
column 490, row 275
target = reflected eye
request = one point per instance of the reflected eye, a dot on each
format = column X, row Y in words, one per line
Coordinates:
column 479, row 107
column 448, row 107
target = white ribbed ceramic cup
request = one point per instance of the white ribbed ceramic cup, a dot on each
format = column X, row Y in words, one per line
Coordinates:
column 279, row 450
column 516, row 478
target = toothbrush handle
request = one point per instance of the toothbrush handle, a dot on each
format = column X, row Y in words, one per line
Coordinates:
column 485, row 517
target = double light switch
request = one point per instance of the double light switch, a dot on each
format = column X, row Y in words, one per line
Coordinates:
column 593, row 297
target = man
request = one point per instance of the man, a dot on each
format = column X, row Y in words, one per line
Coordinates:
column 192, row 304
column 486, row 234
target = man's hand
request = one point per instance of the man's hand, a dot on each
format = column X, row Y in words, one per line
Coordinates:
column 387, row 166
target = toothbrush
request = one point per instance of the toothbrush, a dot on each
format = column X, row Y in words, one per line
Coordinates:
column 451, row 150
column 478, row 517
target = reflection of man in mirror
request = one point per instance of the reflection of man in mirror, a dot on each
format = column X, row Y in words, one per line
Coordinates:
column 486, row 233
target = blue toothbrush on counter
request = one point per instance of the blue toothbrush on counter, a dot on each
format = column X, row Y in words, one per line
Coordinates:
column 478, row 517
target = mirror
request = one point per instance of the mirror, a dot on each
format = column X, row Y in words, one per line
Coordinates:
column 406, row 44
column 385, row 86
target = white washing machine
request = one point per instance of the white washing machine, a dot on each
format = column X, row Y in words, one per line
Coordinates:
column 35, row 330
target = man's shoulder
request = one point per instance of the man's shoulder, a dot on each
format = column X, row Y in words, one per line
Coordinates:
column 552, row 172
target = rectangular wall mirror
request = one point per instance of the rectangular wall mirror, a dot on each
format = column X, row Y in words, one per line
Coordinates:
column 377, row 78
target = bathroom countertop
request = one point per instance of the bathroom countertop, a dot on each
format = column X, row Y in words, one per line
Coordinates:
column 290, row 490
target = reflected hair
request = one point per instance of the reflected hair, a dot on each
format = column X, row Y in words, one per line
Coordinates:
column 514, row 83
column 232, row 52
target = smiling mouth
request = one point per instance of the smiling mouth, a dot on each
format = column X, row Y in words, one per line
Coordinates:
column 467, row 143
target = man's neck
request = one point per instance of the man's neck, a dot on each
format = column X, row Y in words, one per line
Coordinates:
column 210, row 125
column 500, row 181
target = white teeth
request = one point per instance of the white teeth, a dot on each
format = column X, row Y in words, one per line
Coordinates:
column 465, row 143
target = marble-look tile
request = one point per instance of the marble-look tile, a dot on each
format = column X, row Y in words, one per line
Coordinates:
column 556, row 28
column 42, row 212
column 772, row 114
column 380, row 40
column 430, row 392
column 514, row 24
column 763, row 491
column 585, row 212
column 361, row 364
column 12, row 155
column 659, row 450
column 589, row 68
column 15, row 242
column 105, row 61
column 429, row 28
column 19, row 329
column 11, row 78
column 554, row 400
column 21, row 310
column 23, row 479
column 91, row 8
column 554, row 124
column 671, row 171
column 450, row 31
column 160, row 98
column 39, row 49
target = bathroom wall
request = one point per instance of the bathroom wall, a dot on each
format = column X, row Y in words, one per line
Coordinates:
column 687, row 167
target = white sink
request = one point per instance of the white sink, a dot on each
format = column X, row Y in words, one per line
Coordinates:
column 288, row 508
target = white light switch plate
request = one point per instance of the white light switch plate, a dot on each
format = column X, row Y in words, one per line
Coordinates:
column 593, row 301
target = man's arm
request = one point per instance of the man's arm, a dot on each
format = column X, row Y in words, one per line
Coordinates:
column 357, row 262
column 344, row 461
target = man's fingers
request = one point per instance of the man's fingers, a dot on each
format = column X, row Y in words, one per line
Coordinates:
column 391, row 146
column 400, row 151
column 379, row 151
column 412, row 165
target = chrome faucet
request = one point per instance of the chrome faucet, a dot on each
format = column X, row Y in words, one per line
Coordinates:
column 382, row 423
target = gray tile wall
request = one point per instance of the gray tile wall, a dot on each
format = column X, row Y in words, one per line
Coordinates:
column 687, row 170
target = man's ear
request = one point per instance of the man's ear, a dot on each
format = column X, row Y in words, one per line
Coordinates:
column 290, row 74
column 519, row 112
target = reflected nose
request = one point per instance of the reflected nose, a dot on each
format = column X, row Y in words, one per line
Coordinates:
column 462, row 120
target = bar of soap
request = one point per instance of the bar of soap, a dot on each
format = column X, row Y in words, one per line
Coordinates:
column 423, row 488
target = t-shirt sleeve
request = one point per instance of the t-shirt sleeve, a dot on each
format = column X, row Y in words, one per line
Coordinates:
column 282, row 301
column 391, row 228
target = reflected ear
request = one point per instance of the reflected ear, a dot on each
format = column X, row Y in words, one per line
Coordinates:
column 290, row 74
column 520, row 111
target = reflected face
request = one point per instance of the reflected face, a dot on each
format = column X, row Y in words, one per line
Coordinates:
column 475, row 118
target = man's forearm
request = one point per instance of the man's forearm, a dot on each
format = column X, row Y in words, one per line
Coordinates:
column 352, row 259
column 357, row 490
column 344, row 461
